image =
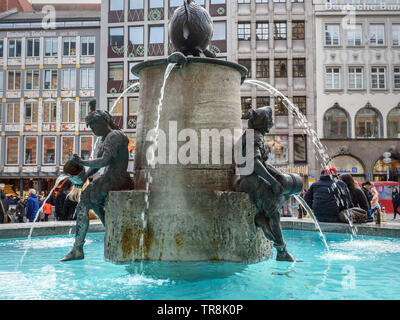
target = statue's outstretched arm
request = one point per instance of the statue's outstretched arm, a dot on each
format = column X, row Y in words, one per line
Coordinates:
column 261, row 171
column 98, row 163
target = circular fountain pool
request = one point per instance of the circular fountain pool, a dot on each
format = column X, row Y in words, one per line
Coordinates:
column 365, row 268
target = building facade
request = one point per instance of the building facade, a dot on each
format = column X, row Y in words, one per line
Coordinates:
column 358, row 85
column 274, row 40
column 47, row 78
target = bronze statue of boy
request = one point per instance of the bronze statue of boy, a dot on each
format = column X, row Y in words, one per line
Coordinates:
column 112, row 155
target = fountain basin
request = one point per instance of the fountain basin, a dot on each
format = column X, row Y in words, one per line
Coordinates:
column 191, row 225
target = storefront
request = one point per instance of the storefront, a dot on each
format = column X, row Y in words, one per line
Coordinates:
column 351, row 165
column 386, row 172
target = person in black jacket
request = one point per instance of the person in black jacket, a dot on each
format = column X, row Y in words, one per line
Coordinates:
column 357, row 195
column 328, row 196
column 4, row 206
column 395, row 201
column 61, row 215
column 365, row 187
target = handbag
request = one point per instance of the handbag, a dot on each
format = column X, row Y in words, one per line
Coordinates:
column 356, row 215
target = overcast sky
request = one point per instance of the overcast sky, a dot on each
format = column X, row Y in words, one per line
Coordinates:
column 65, row 1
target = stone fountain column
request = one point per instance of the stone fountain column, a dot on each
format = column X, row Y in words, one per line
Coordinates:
column 193, row 214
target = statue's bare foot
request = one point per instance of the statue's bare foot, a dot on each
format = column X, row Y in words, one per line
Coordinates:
column 76, row 253
column 285, row 256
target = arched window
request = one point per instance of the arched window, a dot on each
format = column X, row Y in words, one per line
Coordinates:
column 384, row 172
column 349, row 164
column 368, row 124
column 393, row 123
column 336, row 124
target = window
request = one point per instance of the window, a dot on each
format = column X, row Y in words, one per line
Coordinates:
column 136, row 35
column 116, row 37
column 262, row 66
column 86, row 147
column 336, row 124
column 87, row 78
column 300, row 147
column 68, row 79
column 136, row 5
column 332, row 33
column 280, row 68
column 376, row 34
column 175, row 3
column 83, row 110
column 396, row 35
column 298, row 30
column 378, row 77
column 396, row 73
column 30, row 150
column 1, row 48
column 1, row 81
column 368, row 124
column 33, row 47
column 49, row 150
column 132, row 77
column 299, row 68
column 68, row 112
column 50, row 79
column 332, row 78
column 116, row 110
column 156, row 4
column 246, row 104
column 31, row 112
column 12, row 150
column 14, row 48
column 87, row 46
column 263, row 102
column 51, row 47
column 278, row 148
column 279, row 30
column 354, row 35
column 13, row 112
column 393, row 123
column 115, row 71
column 32, row 80
column 280, row 108
column 246, row 63
column 50, row 112
column 67, row 147
column 116, row 5
column 69, row 46
column 244, row 31
column 262, row 31
column 14, row 80
column 156, row 34
column 133, row 106
column 301, row 103
column 356, row 78
column 219, row 30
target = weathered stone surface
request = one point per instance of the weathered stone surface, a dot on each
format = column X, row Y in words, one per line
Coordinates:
column 198, row 97
column 190, row 225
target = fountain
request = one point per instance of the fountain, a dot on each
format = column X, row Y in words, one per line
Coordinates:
column 184, row 206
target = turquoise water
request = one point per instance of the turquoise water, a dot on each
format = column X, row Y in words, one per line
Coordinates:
column 365, row 268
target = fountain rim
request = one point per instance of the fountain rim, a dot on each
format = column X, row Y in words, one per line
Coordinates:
column 151, row 63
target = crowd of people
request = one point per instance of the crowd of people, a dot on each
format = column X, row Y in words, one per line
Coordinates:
column 25, row 209
column 338, row 198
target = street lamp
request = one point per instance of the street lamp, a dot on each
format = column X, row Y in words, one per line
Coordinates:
column 386, row 159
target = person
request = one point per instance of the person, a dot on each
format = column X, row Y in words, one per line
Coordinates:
column 395, row 201
column 328, row 196
column 3, row 204
column 263, row 184
column 113, row 155
column 21, row 210
column 69, row 208
column 301, row 211
column 60, row 200
column 41, row 201
column 366, row 188
column 357, row 195
column 374, row 201
column 32, row 205
column 47, row 210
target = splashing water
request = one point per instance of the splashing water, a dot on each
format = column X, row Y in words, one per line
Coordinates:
column 58, row 181
column 304, row 204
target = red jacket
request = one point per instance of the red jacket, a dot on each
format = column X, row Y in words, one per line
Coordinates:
column 47, row 208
